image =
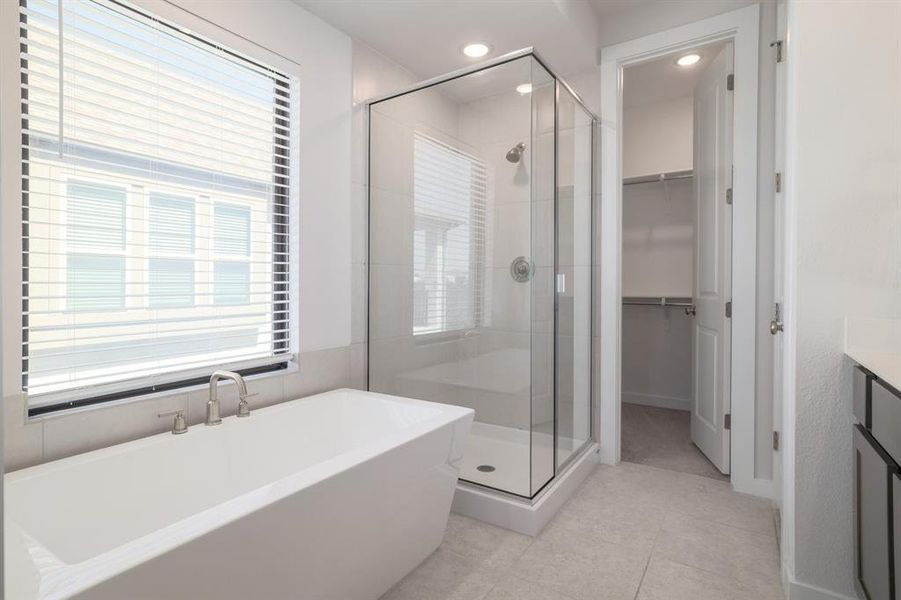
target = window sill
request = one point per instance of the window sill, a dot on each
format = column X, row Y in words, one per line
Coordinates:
column 293, row 367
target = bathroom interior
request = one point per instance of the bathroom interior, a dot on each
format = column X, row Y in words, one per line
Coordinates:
column 409, row 300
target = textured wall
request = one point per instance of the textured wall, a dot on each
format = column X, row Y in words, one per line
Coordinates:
column 847, row 194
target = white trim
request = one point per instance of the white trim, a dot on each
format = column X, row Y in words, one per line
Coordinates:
column 524, row 516
column 656, row 401
column 789, row 290
column 754, row 487
column 796, row 590
column 742, row 28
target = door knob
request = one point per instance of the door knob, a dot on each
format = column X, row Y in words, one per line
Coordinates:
column 776, row 323
column 691, row 310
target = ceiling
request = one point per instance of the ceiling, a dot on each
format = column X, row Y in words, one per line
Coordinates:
column 426, row 36
column 662, row 79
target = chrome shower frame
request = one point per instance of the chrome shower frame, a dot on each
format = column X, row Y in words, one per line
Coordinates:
column 579, row 455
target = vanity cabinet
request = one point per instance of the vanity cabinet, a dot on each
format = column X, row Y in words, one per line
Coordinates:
column 877, row 486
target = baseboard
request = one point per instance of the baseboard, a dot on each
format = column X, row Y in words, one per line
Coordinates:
column 656, row 401
column 795, row 590
column 755, row 487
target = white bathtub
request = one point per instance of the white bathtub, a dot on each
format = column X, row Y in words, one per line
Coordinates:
column 332, row 497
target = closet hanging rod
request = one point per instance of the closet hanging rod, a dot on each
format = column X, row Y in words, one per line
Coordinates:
column 664, row 301
column 659, row 177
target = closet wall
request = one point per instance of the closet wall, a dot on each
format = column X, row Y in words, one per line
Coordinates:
column 658, row 246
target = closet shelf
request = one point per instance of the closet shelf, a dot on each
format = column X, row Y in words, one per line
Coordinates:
column 664, row 301
column 659, row 177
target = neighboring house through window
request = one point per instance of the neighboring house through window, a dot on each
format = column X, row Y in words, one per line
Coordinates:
column 156, row 184
column 449, row 197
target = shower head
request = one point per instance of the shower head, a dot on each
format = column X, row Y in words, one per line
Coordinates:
column 515, row 152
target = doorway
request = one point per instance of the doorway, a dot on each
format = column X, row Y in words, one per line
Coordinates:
column 735, row 429
column 676, row 247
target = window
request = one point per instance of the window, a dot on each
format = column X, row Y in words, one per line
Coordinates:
column 95, row 247
column 231, row 273
column 157, row 177
column 171, row 231
column 449, row 198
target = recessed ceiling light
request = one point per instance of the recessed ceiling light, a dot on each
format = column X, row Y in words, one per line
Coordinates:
column 688, row 60
column 524, row 88
column 476, row 50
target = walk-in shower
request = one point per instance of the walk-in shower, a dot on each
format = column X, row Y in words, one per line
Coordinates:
column 480, row 237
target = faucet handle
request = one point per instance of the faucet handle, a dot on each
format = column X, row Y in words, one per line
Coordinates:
column 244, row 406
column 179, row 425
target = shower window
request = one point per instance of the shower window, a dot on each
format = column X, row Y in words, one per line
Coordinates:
column 449, row 200
column 156, row 180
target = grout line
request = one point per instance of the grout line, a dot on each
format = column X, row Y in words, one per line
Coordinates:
column 647, row 565
column 544, row 586
column 644, row 572
column 757, row 534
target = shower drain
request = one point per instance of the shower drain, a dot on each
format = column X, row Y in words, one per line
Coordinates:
column 485, row 468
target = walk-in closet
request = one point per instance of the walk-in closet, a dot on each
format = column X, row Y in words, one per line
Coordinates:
column 673, row 250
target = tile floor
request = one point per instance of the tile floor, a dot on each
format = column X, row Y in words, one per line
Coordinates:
column 661, row 437
column 630, row 532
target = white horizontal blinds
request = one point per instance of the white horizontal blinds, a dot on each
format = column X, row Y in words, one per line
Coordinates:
column 449, row 197
column 156, row 187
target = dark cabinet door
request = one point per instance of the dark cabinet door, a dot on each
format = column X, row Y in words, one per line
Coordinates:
column 861, row 396
column 873, row 473
column 885, row 418
column 896, row 512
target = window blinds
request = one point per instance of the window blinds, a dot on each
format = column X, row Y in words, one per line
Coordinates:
column 450, row 189
column 156, row 177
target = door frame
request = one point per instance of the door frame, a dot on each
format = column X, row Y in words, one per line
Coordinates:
column 741, row 27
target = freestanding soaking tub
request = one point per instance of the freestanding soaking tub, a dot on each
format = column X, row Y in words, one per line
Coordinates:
column 331, row 497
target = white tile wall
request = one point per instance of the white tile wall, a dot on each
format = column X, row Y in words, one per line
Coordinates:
column 93, row 428
column 30, row 442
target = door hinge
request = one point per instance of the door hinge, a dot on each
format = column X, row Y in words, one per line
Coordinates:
column 727, row 421
column 775, row 440
column 729, row 196
column 729, row 309
column 778, row 46
column 778, row 182
column 730, row 82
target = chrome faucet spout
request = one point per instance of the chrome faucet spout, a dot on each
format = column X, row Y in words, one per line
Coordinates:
column 212, row 406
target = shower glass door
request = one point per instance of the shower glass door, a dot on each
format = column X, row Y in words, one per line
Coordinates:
column 461, row 261
column 573, row 286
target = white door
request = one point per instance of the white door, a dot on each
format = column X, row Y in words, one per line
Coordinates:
column 779, row 253
column 713, row 258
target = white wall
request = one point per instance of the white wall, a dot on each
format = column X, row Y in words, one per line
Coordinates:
column 324, row 58
column 644, row 18
column 845, row 193
column 657, row 137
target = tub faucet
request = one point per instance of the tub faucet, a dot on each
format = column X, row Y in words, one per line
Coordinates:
column 212, row 405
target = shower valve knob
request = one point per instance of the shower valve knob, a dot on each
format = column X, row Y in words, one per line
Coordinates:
column 521, row 269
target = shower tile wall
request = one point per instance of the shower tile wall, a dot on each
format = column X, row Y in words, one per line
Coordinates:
column 494, row 125
column 373, row 75
column 397, row 356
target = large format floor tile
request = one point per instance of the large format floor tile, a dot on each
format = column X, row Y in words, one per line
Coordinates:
column 629, row 532
column 582, row 570
column 668, row 580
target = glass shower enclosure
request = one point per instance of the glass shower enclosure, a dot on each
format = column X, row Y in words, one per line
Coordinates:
column 480, row 247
